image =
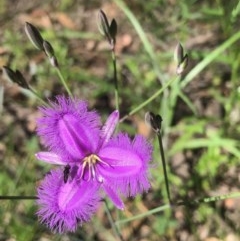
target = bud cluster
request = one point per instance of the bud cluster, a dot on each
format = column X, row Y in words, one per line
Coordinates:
column 106, row 29
column 41, row 44
column 15, row 77
column 154, row 121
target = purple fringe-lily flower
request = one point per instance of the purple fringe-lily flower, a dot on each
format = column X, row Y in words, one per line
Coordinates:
column 75, row 138
column 65, row 205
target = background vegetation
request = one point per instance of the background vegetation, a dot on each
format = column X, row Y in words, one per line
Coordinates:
column 201, row 112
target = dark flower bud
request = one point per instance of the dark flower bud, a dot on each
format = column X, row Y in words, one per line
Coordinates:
column 178, row 53
column 34, row 35
column 155, row 121
column 21, row 80
column 9, row 73
column 48, row 49
column 54, row 62
column 180, row 58
column 113, row 29
column 109, row 31
column 103, row 24
column 183, row 65
column 15, row 77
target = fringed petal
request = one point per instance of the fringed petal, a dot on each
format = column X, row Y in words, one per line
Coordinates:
column 109, row 127
column 64, row 206
column 128, row 164
column 50, row 157
column 114, row 197
column 68, row 128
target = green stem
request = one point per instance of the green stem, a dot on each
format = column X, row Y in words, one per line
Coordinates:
column 208, row 199
column 115, row 79
column 18, row 197
column 64, row 82
column 113, row 225
column 142, row 215
column 164, row 165
column 143, row 36
column 185, row 203
column 154, row 96
column 38, row 96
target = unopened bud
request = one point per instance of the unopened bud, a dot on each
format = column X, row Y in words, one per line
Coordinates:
column 109, row 31
column 178, row 53
column 154, row 121
column 103, row 24
column 48, row 49
column 54, row 62
column 34, row 36
column 183, row 65
column 180, row 58
column 15, row 77
column 9, row 74
column 113, row 29
column 21, row 80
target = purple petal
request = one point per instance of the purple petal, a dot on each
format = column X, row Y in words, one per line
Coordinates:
column 109, row 127
column 63, row 206
column 50, row 157
column 77, row 138
column 68, row 128
column 128, row 170
column 114, row 197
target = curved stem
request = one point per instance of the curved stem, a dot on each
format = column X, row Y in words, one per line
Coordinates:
column 154, row 96
column 38, row 96
column 184, row 203
column 142, row 215
column 64, row 82
column 164, row 165
column 113, row 225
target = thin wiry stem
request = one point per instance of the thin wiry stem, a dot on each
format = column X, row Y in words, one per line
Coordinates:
column 64, row 82
column 150, row 99
column 164, row 165
column 113, row 225
column 18, row 197
column 116, row 91
column 37, row 96
column 186, row 202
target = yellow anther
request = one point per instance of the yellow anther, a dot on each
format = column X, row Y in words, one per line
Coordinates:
column 90, row 162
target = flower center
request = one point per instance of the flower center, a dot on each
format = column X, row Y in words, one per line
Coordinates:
column 89, row 164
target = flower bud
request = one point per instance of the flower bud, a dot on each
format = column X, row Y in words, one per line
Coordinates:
column 109, row 31
column 9, row 73
column 54, row 62
column 34, row 36
column 21, row 80
column 178, row 53
column 154, row 121
column 48, row 49
column 15, row 77
column 113, row 29
column 180, row 58
column 103, row 24
column 183, row 65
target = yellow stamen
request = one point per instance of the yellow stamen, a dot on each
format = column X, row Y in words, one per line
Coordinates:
column 90, row 162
